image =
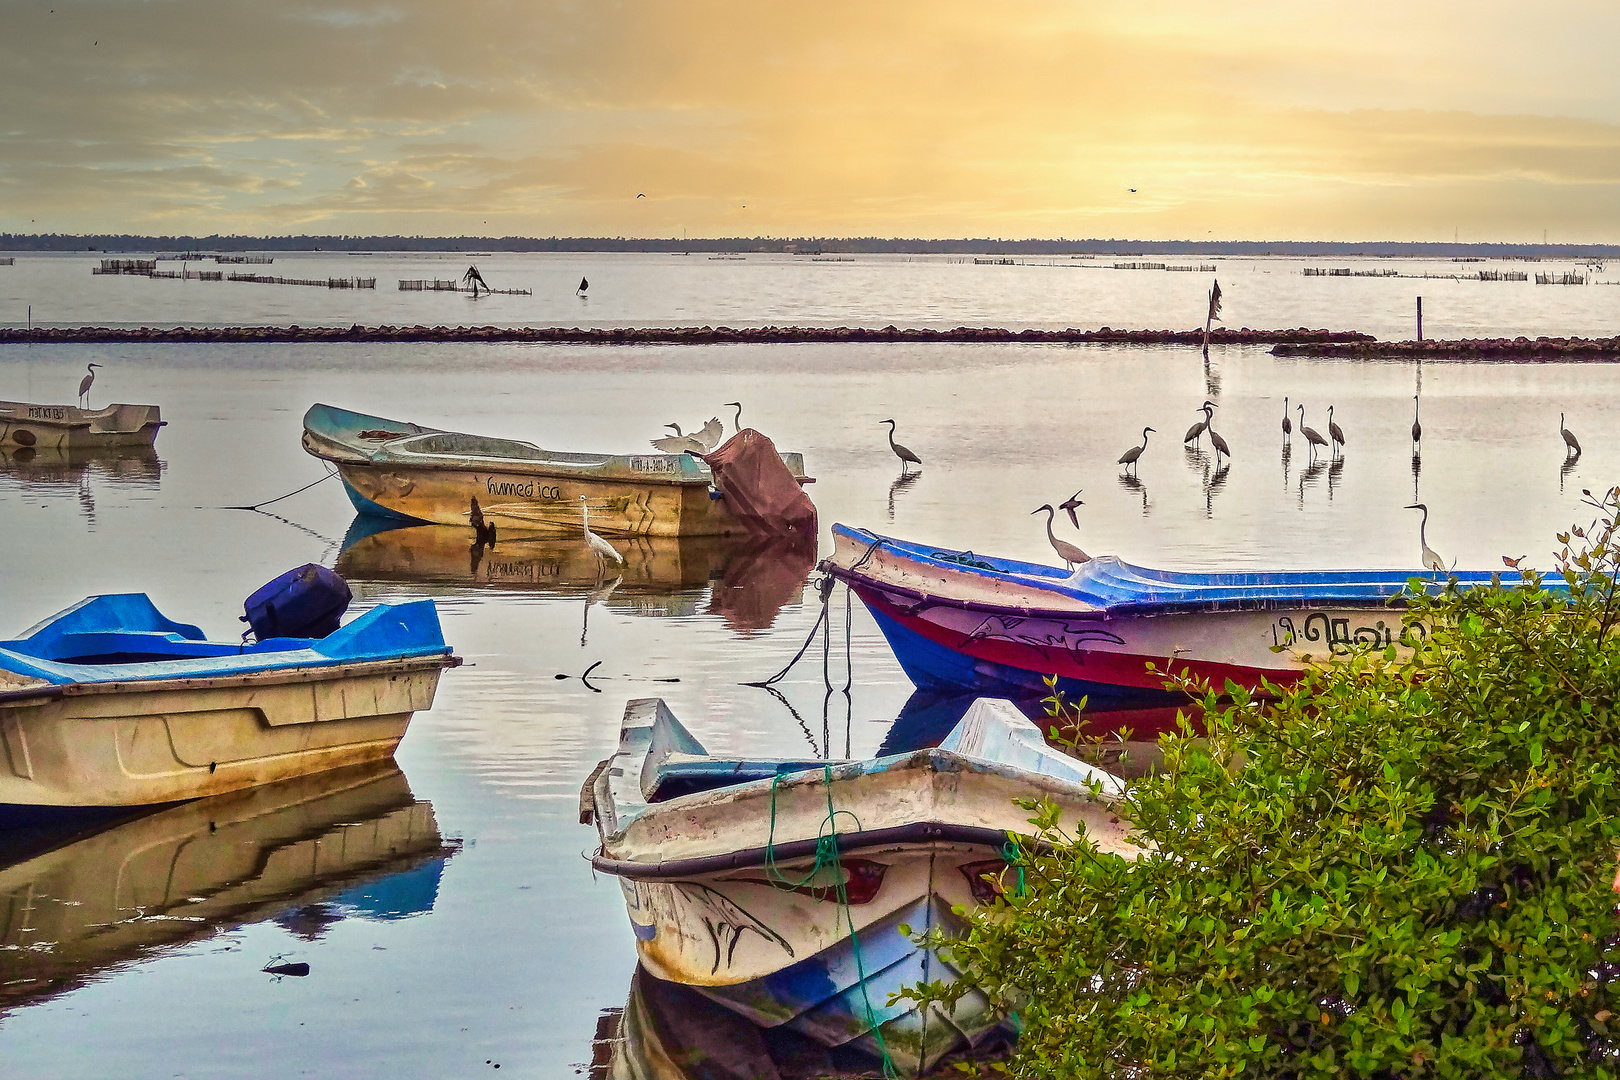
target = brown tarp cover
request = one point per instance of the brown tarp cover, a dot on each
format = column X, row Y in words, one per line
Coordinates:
column 758, row 489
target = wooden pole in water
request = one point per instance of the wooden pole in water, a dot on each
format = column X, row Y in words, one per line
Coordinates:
column 1420, row 318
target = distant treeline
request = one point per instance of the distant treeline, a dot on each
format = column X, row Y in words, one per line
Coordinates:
column 847, row 245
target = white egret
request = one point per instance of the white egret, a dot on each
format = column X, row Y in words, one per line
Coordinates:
column 604, row 551
column 1431, row 557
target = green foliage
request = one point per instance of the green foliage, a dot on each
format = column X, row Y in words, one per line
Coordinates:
column 1400, row 867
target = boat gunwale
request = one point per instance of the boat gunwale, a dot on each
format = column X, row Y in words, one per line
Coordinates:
column 525, row 468
column 1091, row 611
column 917, row 832
column 269, row 677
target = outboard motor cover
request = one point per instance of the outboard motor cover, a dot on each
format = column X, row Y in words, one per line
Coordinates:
column 302, row 603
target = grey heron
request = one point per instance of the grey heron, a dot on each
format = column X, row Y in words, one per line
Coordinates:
column 1417, row 428
column 1431, row 557
column 604, row 551
column 84, row 390
column 1068, row 505
column 1066, row 551
column 1335, row 432
column 1288, row 425
column 1313, row 438
column 1570, row 441
column 1130, row 457
column 1196, row 432
column 737, row 420
column 907, row 458
column 1216, row 441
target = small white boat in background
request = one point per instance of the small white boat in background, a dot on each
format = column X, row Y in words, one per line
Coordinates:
column 63, row 427
column 731, row 891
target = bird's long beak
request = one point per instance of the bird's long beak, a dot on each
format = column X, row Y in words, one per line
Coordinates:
column 1414, row 506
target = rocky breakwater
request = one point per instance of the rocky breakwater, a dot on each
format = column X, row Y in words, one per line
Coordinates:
column 698, row 335
column 1518, row 350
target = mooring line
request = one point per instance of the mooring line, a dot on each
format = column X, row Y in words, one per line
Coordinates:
column 330, row 473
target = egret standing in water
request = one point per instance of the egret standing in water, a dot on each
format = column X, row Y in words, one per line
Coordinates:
column 604, row 551
column 1196, row 432
column 1417, row 428
column 907, row 458
column 1570, row 442
column 1069, row 553
column 84, row 394
column 1130, row 457
column 1215, row 439
column 1288, row 425
column 1431, row 557
column 1313, row 438
column 1335, row 432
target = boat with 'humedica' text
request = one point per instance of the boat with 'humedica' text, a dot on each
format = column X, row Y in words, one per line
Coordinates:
column 969, row 623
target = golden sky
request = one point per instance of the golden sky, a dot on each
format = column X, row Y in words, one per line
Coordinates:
column 1253, row 119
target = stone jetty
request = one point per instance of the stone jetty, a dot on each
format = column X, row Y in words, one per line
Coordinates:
column 1519, row 349
column 698, row 335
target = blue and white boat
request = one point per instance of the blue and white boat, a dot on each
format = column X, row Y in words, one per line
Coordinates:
column 791, row 891
column 969, row 623
column 111, row 704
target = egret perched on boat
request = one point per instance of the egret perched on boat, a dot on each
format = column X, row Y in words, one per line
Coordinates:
column 604, row 551
column 1431, row 557
column 1335, row 432
column 1068, row 505
column 1130, row 457
column 736, row 421
column 1288, row 425
column 1313, row 438
column 698, row 442
column 1570, row 442
column 907, row 458
column 1070, row 554
column 1196, row 432
column 1417, row 428
column 84, row 395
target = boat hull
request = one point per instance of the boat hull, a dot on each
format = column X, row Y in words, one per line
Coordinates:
column 144, row 743
column 540, row 502
column 67, row 427
column 985, row 652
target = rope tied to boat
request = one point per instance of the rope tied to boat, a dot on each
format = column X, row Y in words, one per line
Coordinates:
column 1011, row 853
column 329, row 474
column 962, row 558
column 824, row 587
column 827, row 857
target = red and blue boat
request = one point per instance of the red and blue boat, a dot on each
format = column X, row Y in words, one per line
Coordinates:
column 963, row 622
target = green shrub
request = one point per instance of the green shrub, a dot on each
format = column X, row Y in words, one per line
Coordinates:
column 1408, row 875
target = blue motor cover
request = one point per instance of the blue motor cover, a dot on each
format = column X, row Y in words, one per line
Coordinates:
column 302, row 603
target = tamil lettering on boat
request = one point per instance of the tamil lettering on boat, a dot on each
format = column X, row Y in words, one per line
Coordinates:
column 1335, row 630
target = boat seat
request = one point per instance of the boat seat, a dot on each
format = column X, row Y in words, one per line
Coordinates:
column 687, row 774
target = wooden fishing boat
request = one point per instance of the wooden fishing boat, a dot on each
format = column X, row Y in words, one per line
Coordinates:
column 424, row 475
column 354, row 841
column 960, row 620
column 110, row 704
column 732, row 890
column 61, row 427
column 746, row 580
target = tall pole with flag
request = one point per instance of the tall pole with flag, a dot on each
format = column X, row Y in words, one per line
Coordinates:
column 1214, row 312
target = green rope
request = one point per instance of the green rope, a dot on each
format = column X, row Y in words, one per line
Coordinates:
column 827, row 856
column 1010, row 852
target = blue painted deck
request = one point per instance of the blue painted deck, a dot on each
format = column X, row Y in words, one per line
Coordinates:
column 1112, row 587
column 123, row 637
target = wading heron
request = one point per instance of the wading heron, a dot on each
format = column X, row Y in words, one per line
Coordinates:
column 907, row 458
column 1417, row 428
column 1313, row 438
column 1335, row 432
column 1196, row 432
column 1571, row 443
column 1069, row 553
column 1215, row 439
column 604, row 551
column 1431, row 557
column 84, row 394
column 1288, row 425
column 1130, row 457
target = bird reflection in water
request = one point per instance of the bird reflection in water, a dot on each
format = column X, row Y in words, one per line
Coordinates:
column 1131, row 483
column 1313, row 472
column 901, row 483
column 1213, row 483
column 602, row 591
column 1567, row 468
column 1417, row 469
column 1287, row 460
column 1335, row 473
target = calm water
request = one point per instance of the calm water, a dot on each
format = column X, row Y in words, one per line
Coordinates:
column 487, row 939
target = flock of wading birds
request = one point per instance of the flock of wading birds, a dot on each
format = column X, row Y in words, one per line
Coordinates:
column 1072, row 555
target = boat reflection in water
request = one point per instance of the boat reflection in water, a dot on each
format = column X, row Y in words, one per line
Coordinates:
column 38, row 472
column 670, row 1032
column 307, row 853
column 744, row 580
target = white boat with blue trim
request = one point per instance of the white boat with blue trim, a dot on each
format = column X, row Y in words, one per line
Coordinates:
column 971, row 623
column 790, row 891
column 111, row 704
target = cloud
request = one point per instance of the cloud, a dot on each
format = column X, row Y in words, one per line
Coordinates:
column 938, row 118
